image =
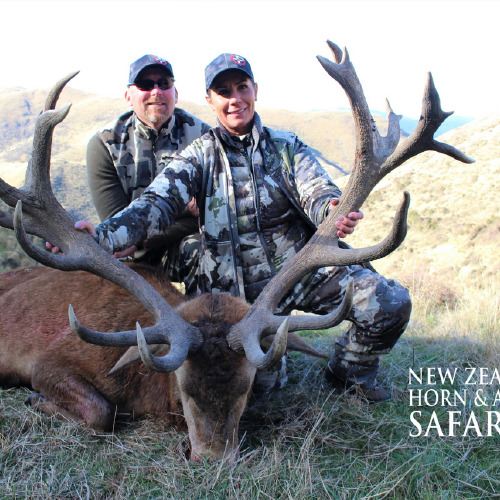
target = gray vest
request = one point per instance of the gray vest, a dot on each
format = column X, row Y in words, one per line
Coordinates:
column 136, row 149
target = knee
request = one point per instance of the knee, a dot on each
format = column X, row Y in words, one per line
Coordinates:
column 381, row 305
column 394, row 305
column 402, row 302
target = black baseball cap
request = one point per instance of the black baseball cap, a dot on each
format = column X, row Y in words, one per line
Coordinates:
column 224, row 62
column 145, row 62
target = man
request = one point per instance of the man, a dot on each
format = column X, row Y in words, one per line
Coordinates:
column 123, row 157
column 261, row 195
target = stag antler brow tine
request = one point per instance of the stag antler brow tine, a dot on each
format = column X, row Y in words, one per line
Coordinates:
column 276, row 351
column 37, row 205
column 168, row 363
column 375, row 157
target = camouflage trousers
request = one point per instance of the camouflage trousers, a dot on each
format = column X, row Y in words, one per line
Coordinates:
column 379, row 316
column 181, row 265
column 380, row 313
column 181, row 262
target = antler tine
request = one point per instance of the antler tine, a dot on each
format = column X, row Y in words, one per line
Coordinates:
column 158, row 334
column 375, row 157
column 38, row 173
column 37, row 191
column 6, row 220
column 337, row 51
column 37, row 203
column 55, row 91
column 263, row 322
column 8, row 194
column 422, row 138
column 83, row 253
column 168, row 363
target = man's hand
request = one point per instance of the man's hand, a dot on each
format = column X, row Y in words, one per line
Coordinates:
column 125, row 253
column 83, row 225
column 193, row 208
column 80, row 225
column 347, row 224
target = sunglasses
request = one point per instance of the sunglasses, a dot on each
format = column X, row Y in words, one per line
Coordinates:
column 147, row 85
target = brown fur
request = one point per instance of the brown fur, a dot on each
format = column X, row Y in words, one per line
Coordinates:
column 71, row 378
column 39, row 349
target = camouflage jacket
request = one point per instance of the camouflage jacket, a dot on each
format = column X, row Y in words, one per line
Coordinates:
column 123, row 157
column 233, row 237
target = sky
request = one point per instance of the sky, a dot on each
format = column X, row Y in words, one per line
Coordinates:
column 393, row 44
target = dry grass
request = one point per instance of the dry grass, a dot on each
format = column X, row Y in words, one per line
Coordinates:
column 306, row 442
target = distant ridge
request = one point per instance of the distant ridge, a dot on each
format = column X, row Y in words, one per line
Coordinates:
column 329, row 134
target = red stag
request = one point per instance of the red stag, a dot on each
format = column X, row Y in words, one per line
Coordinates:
column 207, row 349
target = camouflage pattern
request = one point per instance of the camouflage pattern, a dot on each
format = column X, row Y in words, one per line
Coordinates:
column 263, row 196
column 223, row 62
column 292, row 193
column 136, row 149
column 181, row 262
column 379, row 316
column 123, row 159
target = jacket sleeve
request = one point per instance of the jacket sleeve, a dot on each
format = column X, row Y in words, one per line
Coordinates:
column 150, row 215
column 106, row 190
column 314, row 185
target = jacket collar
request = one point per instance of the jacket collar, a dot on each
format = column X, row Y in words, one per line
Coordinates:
column 257, row 131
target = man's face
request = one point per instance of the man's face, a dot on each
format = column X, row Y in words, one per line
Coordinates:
column 232, row 96
column 153, row 107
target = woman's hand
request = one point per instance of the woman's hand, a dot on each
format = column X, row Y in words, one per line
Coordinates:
column 81, row 225
column 193, row 208
column 346, row 225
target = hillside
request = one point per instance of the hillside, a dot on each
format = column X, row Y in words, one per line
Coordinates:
column 454, row 217
column 330, row 135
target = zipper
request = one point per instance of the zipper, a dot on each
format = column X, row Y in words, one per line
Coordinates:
column 153, row 170
column 256, row 194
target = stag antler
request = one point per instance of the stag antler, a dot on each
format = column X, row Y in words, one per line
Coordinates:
column 38, row 212
column 37, row 182
column 375, row 157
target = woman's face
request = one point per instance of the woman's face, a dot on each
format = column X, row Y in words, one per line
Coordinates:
column 232, row 96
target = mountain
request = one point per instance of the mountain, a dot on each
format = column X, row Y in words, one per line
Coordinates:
column 450, row 233
column 329, row 134
column 452, row 122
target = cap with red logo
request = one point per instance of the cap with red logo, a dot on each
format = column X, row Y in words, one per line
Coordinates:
column 224, row 62
column 145, row 62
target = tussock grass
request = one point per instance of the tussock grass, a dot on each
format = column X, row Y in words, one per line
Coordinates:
column 304, row 442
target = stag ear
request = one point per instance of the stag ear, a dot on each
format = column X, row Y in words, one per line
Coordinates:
column 132, row 355
column 295, row 343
